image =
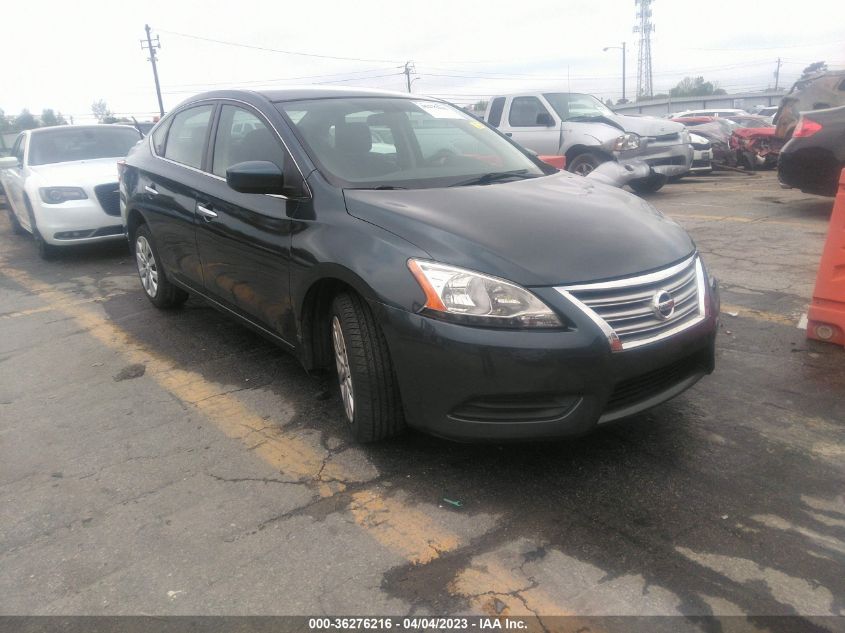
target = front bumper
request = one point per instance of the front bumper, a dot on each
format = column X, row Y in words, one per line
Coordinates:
column 668, row 160
column 76, row 222
column 470, row 383
column 702, row 161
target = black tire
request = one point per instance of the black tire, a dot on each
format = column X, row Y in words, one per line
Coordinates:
column 676, row 178
column 584, row 163
column 154, row 282
column 651, row 184
column 17, row 229
column 376, row 411
column 46, row 251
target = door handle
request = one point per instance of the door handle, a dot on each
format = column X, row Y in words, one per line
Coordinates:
column 151, row 190
column 205, row 211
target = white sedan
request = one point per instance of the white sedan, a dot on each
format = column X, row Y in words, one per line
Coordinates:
column 61, row 184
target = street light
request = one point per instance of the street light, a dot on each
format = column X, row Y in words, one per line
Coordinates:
column 622, row 48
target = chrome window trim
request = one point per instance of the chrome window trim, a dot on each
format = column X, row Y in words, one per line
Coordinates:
column 213, row 101
column 610, row 333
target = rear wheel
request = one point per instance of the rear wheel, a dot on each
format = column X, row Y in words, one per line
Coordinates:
column 365, row 375
column 157, row 287
column 585, row 163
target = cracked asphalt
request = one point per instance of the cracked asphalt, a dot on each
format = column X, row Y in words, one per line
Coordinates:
column 175, row 463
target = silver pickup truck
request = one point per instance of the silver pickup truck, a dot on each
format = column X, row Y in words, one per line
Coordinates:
column 588, row 133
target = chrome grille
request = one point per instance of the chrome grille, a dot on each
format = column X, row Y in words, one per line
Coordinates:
column 664, row 139
column 626, row 309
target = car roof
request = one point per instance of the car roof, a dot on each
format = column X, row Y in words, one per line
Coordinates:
column 297, row 93
column 98, row 126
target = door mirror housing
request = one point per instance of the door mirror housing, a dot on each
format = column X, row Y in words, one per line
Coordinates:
column 9, row 162
column 544, row 118
column 256, row 176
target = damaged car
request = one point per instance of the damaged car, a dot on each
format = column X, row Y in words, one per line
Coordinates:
column 818, row 92
column 588, row 133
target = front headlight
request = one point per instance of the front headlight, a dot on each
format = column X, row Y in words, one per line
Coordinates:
column 629, row 140
column 57, row 195
column 471, row 298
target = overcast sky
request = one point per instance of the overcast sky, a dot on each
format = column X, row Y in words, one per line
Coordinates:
column 65, row 55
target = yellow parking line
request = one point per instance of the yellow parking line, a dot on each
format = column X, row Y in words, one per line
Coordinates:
column 760, row 315
column 405, row 530
column 294, row 456
column 745, row 220
column 50, row 308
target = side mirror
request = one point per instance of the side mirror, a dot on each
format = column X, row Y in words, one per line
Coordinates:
column 9, row 162
column 544, row 118
column 256, row 176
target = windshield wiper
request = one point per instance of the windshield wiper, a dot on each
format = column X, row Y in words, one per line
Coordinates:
column 378, row 187
column 493, row 176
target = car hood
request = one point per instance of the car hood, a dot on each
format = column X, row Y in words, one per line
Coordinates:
column 547, row 231
column 77, row 173
column 645, row 126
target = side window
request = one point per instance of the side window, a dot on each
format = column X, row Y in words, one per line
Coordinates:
column 496, row 109
column 160, row 135
column 242, row 136
column 186, row 139
column 17, row 148
column 524, row 111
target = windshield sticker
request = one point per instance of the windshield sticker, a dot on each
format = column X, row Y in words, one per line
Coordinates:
column 440, row 110
column 477, row 124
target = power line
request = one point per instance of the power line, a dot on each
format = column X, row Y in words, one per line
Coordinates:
column 276, row 50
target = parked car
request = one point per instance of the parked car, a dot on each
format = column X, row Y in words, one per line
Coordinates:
column 720, row 112
column 749, row 121
column 588, row 133
column 815, row 155
column 820, row 91
column 61, row 184
column 718, row 131
column 702, row 154
column 460, row 286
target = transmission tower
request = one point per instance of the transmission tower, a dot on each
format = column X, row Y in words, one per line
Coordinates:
column 645, row 28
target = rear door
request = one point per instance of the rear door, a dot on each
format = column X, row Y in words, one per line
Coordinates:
column 244, row 239
column 171, row 187
column 524, row 125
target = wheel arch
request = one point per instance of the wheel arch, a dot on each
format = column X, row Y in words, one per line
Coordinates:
column 577, row 150
column 313, row 305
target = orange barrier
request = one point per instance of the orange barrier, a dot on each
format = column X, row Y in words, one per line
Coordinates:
column 554, row 161
column 826, row 317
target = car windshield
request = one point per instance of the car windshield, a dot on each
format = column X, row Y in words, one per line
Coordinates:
column 389, row 142
column 67, row 144
column 570, row 105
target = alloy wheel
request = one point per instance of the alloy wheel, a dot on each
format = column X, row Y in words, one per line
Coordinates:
column 344, row 375
column 147, row 268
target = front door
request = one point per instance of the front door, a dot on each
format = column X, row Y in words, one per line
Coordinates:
column 244, row 239
column 525, row 125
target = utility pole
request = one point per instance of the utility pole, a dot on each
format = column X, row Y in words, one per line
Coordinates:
column 409, row 68
column 148, row 45
column 777, row 73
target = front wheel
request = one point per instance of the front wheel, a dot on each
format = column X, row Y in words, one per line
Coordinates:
column 651, row 184
column 154, row 281
column 46, row 251
column 368, row 386
column 585, row 163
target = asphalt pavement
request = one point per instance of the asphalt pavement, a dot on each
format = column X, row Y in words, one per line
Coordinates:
column 175, row 463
